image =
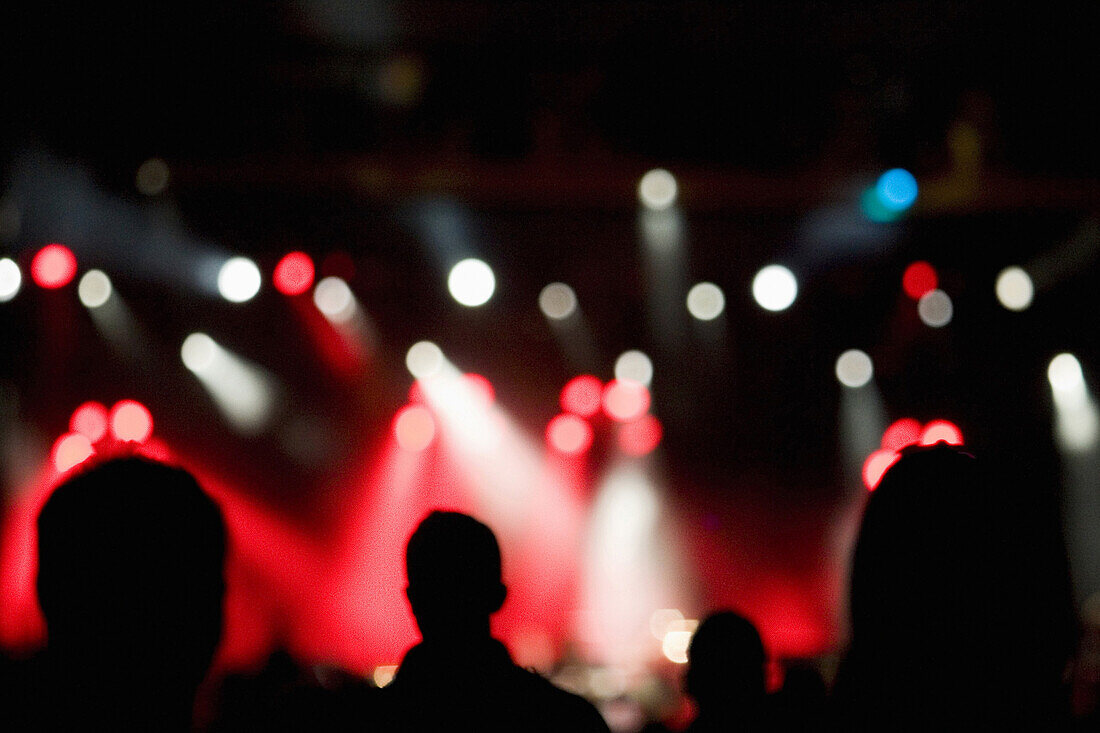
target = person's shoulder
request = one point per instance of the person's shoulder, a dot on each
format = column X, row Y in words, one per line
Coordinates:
column 564, row 710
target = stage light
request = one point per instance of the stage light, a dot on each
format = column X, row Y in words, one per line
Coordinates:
column 11, row 279
column 896, row 189
column 54, row 266
column 658, row 189
column 424, row 359
column 94, row 289
column 876, row 465
column 242, row 391
column 662, row 619
column 919, row 278
column 854, row 368
column 481, row 389
column 1077, row 421
column 569, row 434
column 198, row 352
column 293, row 274
column 557, row 301
column 1015, row 289
column 151, row 177
column 239, row 279
column 775, row 288
column 131, row 421
column 1065, row 375
column 935, row 309
column 901, row 433
column 70, row 451
column 624, row 400
column 334, row 299
column 90, row 420
column 414, row 428
column 471, row 282
column 941, row 430
column 641, row 436
column 634, row 366
column 582, row 395
column 705, row 301
column 677, row 640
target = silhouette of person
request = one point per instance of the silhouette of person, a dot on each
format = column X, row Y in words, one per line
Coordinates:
column 961, row 608
column 130, row 582
column 725, row 674
column 458, row 677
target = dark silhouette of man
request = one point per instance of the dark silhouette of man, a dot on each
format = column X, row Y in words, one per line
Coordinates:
column 130, row 582
column 725, row 674
column 458, row 677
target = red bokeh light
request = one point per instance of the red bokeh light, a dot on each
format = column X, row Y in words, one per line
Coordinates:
column 944, row 430
column 90, row 420
column 876, row 465
column 919, row 278
column 641, row 436
column 70, row 450
column 131, row 421
column 581, row 395
column 414, row 428
column 901, row 433
column 54, row 266
column 294, row 274
column 416, row 393
column 481, row 387
column 569, row 434
column 624, row 400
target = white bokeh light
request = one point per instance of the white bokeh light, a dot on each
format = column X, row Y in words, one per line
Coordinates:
column 1065, row 374
column 334, row 299
column 775, row 288
column 1015, row 289
column 634, row 366
column 199, row 352
column 705, row 301
column 471, row 282
column 854, row 368
column 935, row 308
column 557, row 301
column 11, row 279
column 94, row 289
column 658, row 189
column 239, row 279
column 424, row 359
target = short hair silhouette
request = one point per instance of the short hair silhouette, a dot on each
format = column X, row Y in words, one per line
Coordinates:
column 725, row 671
column 130, row 577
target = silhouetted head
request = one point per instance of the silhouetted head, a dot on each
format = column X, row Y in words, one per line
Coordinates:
column 453, row 566
column 130, row 571
column 725, row 662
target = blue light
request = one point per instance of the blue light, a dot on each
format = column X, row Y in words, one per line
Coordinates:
column 896, row 189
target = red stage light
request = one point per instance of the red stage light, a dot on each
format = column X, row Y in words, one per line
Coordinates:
column 624, row 400
column 53, row 267
column 941, row 430
column 131, row 421
column 569, row 434
column 481, row 387
column 294, row 274
column 90, row 420
column 877, row 464
column 581, row 395
column 416, row 393
column 641, row 436
column 70, row 450
column 901, row 433
column 414, row 428
column 919, row 278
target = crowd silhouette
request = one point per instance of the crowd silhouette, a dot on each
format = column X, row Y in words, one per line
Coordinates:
column 960, row 603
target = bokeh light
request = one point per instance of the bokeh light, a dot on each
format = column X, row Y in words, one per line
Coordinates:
column 334, row 299
column 935, row 309
column 919, row 278
column 293, row 274
column 53, row 266
column 876, row 465
column 70, row 451
column 471, row 282
column 151, row 177
column 239, row 279
column 131, row 421
column 775, row 288
column 658, row 189
column 198, row 352
column 677, row 640
column 582, row 395
column 424, row 359
column 635, row 366
column 557, row 301
column 1014, row 288
column 661, row 619
column 480, row 388
column 11, row 279
column 90, row 420
column 941, row 430
column 1065, row 374
column 641, row 436
column 706, row 301
column 854, row 368
column 625, row 400
column 569, row 434
column 896, row 189
column 94, row 289
column 901, row 433
column 414, row 428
